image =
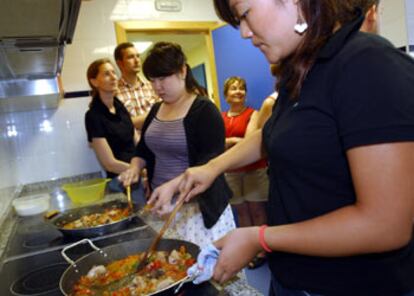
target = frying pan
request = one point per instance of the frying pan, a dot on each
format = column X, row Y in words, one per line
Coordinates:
column 70, row 215
column 115, row 252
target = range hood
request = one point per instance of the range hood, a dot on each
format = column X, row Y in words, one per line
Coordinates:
column 33, row 36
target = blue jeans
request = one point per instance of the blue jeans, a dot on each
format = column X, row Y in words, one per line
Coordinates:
column 277, row 289
column 137, row 190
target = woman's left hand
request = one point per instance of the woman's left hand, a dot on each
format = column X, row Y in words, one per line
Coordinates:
column 237, row 249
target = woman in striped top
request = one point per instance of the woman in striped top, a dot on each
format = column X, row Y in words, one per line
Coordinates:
column 182, row 131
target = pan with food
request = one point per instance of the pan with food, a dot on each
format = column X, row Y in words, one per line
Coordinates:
column 95, row 220
column 112, row 270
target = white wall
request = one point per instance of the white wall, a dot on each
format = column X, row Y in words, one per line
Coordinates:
column 192, row 10
column 393, row 21
column 409, row 14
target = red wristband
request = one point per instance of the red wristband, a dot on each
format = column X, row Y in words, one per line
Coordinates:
column 262, row 239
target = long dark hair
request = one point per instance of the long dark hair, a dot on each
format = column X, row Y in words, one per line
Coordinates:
column 167, row 58
column 322, row 17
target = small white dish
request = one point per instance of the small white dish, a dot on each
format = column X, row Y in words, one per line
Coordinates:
column 32, row 204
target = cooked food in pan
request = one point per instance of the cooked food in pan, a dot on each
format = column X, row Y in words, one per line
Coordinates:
column 97, row 219
column 120, row 276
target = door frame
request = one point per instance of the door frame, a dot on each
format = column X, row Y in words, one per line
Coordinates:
column 122, row 28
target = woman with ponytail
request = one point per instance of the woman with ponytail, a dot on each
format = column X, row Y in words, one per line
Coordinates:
column 185, row 129
column 109, row 128
column 340, row 149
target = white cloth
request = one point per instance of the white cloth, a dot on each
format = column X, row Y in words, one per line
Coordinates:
column 203, row 269
column 189, row 225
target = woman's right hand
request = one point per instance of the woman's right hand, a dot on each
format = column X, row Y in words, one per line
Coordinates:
column 196, row 180
column 161, row 197
column 129, row 176
column 244, row 241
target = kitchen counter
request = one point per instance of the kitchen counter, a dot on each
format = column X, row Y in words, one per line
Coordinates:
column 236, row 287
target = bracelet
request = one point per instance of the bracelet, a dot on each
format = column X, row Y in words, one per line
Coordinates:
column 262, row 239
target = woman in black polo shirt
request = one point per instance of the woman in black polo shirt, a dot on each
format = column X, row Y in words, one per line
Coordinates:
column 109, row 128
column 340, row 145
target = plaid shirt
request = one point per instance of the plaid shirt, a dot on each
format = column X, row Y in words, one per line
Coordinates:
column 137, row 100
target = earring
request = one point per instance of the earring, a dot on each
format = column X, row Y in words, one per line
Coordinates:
column 301, row 25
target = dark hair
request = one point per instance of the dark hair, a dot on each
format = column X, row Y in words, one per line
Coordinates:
column 167, row 58
column 118, row 52
column 92, row 73
column 322, row 16
column 229, row 81
column 273, row 69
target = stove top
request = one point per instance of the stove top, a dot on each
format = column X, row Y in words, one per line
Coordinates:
column 33, row 263
column 34, row 235
column 39, row 275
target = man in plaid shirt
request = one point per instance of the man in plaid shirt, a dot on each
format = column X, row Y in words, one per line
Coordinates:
column 137, row 95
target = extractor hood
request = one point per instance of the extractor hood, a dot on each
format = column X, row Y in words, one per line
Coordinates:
column 33, row 36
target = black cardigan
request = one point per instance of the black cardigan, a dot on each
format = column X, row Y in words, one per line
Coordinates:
column 205, row 134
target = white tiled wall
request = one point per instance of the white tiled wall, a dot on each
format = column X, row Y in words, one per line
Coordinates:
column 45, row 144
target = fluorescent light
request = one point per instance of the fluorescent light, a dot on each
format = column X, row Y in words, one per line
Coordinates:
column 142, row 46
column 104, row 50
column 46, row 126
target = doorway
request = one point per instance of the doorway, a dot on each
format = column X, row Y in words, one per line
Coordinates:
column 194, row 37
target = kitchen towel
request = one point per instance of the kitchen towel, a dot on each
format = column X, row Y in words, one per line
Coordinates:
column 203, row 269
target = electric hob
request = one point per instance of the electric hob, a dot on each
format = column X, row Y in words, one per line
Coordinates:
column 34, row 235
column 33, row 262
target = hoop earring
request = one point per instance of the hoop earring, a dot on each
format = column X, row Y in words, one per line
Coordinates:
column 301, row 25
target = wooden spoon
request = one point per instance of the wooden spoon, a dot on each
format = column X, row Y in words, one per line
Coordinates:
column 128, row 190
column 157, row 239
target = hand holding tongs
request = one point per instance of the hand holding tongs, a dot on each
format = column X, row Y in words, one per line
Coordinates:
column 156, row 240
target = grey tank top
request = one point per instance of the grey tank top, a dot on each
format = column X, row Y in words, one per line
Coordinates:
column 168, row 142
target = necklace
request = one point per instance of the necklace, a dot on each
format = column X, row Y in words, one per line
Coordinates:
column 235, row 113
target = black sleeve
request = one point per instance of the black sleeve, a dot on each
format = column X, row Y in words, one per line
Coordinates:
column 374, row 98
column 94, row 126
column 142, row 149
column 208, row 139
column 210, row 133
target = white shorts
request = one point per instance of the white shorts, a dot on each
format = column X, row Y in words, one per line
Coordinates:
column 189, row 225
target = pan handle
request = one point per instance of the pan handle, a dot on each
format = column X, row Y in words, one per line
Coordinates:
column 83, row 241
column 187, row 279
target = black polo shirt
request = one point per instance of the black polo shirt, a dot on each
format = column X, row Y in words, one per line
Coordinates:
column 359, row 92
column 117, row 129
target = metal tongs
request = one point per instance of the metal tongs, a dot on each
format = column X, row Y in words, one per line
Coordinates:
column 157, row 239
column 187, row 279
